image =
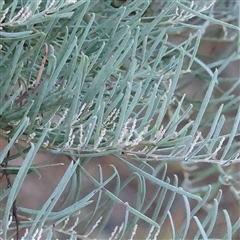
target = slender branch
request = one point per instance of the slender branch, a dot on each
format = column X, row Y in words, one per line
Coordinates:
column 25, row 95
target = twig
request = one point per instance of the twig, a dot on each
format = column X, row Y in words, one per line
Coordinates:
column 9, row 185
column 25, row 95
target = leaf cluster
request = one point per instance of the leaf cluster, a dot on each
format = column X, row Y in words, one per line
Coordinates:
column 87, row 80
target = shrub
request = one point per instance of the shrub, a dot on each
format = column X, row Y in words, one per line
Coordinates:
column 135, row 90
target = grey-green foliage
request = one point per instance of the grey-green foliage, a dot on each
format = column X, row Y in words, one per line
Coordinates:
column 109, row 83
